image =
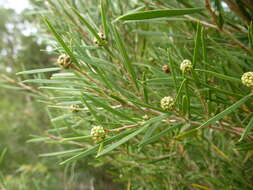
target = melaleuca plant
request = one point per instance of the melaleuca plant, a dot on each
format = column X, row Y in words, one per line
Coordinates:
column 157, row 121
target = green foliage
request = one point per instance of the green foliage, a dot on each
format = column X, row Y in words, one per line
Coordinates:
column 21, row 168
column 143, row 15
column 119, row 85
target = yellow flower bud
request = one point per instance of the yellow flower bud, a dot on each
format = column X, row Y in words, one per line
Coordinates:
column 167, row 103
column 98, row 133
column 64, row 60
column 186, row 66
column 247, row 79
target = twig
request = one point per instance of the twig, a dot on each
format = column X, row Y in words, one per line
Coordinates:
column 124, row 127
column 24, row 86
column 60, row 138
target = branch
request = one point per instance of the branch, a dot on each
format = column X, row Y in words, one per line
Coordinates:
column 24, row 86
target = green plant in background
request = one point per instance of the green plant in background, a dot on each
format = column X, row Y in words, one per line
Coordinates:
column 21, row 115
column 159, row 97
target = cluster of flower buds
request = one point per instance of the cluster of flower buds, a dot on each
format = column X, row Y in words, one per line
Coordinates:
column 167, row 103
column 98, row 133
column 247, row 79
column 64, row 61
column 186, row 66
column 102, row 41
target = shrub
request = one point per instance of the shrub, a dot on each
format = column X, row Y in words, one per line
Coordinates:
column 117, row 81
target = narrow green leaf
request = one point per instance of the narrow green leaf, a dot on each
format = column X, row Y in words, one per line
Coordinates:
column 61, row 152
column 219, row 9
column 61, row 117
column 99, row 103
column 145, row 89
column 88, row 25
column 126, row 60
column 197, row 45
column 158, row 14
column 10, row 87
column 39, row 71
column 103, row 8
column 161, row 159
column 218, row 75
column 149, row 132
column 185, row 105
column 225, row 112
column 77, row 138
column 61, row 41
column 154, row 121
column 92, row 111
column 81, row 154
column 180, row 90
column 94, row 148
column 245, row 146
column 164, row 80
column 63, row 75
column 122, row 141
column 247, row 129
column 3, row 153
column 203, row 45
column 159, row 135
column 47, row 81
column 221, row 90
column 147, row 106
column 173, row 72
column 38, row 139
column 216, row 117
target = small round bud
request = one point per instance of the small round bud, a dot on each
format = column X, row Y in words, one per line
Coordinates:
column 151, row 59
column 247, row 79
column 98, row 133
column 166, row 69
column 103, row 40
column 74, row 108
column 96, row 42
column 101, row 35
column 64, row 60
column 145, row 117
column 167, row 103
column 186, row 66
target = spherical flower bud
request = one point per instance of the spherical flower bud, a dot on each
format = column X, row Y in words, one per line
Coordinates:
column 186, row 66
column 247, row 79
column 64, row 60
column 166, row 69
column 98, row 133
column 167, row 103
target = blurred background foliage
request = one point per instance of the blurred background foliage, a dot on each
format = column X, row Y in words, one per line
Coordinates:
column 210, row 160
column 21, row 115
column 22, row 47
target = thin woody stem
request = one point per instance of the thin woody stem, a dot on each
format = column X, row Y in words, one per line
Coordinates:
column 24, row 86
column 124, row 127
